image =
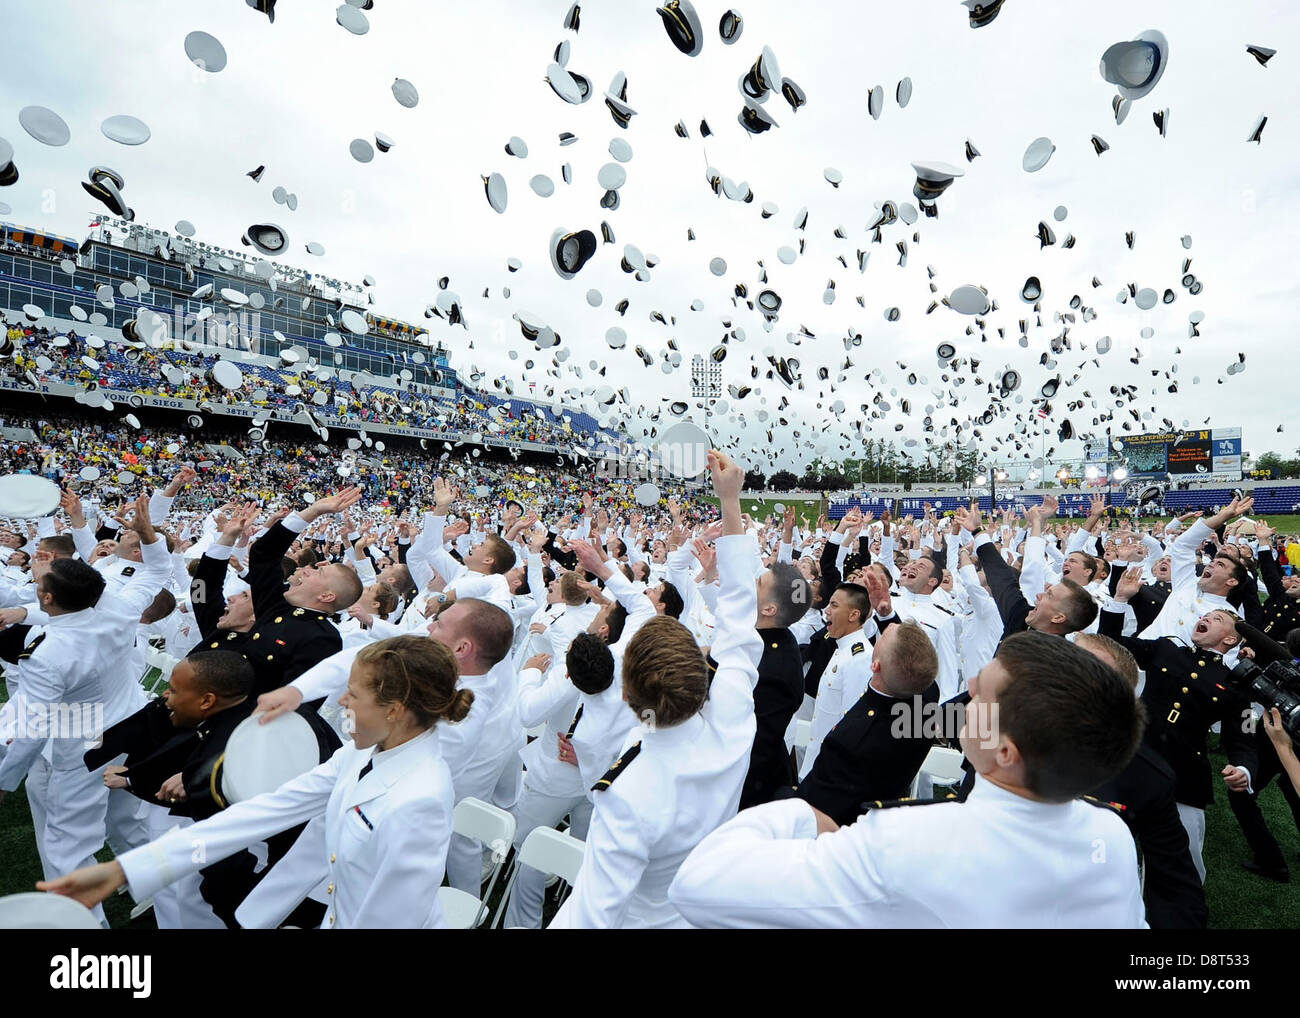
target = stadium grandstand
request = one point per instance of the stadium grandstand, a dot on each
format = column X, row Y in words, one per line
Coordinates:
column 140, row 316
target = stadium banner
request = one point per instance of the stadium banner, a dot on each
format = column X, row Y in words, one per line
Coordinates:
column 124, row 399
column 1192, row 455
column 1227, row 450
column 1202, row 451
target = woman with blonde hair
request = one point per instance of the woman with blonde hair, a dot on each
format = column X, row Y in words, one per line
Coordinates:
column 383, row 805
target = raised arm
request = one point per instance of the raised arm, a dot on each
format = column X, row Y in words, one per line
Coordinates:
column 185, row 850
column 207, row 589
column 161, row 503
column 1004, row 582
column 1033, row 570
column 129, row 603
column 1269, row 570
column 736, row 644
column 81, row 535
column 264, row 573
column 635, row 601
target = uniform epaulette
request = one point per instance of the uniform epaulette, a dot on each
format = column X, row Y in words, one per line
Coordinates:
column 859, row 648
column 1117, row 808
column 619, row 766
column 867, row 807
column 128, row 571
column 30, row 649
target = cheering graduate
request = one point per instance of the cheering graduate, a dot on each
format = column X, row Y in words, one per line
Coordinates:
column 385, row 800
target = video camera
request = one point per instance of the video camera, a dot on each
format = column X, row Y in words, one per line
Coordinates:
column 1276, row 683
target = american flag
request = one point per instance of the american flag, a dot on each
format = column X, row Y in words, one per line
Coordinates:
column 1042, row 413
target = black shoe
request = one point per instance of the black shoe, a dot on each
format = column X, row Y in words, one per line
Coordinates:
column 1282, row 876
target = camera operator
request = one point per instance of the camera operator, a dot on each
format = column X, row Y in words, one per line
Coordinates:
column 1269, row 860
column 1285, row 749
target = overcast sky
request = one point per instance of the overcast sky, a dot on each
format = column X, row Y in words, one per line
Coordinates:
column 295, row 94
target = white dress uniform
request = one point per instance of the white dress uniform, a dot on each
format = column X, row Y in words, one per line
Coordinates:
column 528, row 643
column 353, row 633
column 115, row 572
column 842, row 685
column 1186, row 602
column 72, row 676
column 522, row 609
column 1022, row 864
column 639, row 611
column 940, row 625
column 15, row 594
column 552, row 788
column 427, row 555
column 603, row 732
column 562, row 628
column 412, row 621
column 180, row 906
column 479, row 756
column 383, row 840
column 677, row 784
column 803, row 630
column 696, row 616
column 982, row 632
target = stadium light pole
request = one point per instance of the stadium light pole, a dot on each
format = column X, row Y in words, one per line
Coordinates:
column 1120, row 474
column 994, row 475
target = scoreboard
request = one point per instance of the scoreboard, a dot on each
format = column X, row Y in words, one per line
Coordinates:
column 1204, row 451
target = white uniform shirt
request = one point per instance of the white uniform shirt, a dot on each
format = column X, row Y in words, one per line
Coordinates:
column 1021, row 864
column 683, row 782
column 480, row 747
column 1186, row 602
column 385, row 839
column 803, row 630
column 602, row 733
column 426, row 555
column 79, row 675
column 841, row 686
column 940, row 626
column 550, row 700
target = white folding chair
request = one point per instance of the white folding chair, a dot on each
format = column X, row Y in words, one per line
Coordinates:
column 160, row 661
column 495, row 828
column 553, row 852
column 942, row 766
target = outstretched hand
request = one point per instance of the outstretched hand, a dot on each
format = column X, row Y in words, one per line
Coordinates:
column 89, row 885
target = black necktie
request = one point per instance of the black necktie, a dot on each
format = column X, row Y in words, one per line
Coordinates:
column 367, row 768
column 576, row 718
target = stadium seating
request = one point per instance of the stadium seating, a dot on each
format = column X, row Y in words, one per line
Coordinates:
column 470, row 410
column 1268, row 501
